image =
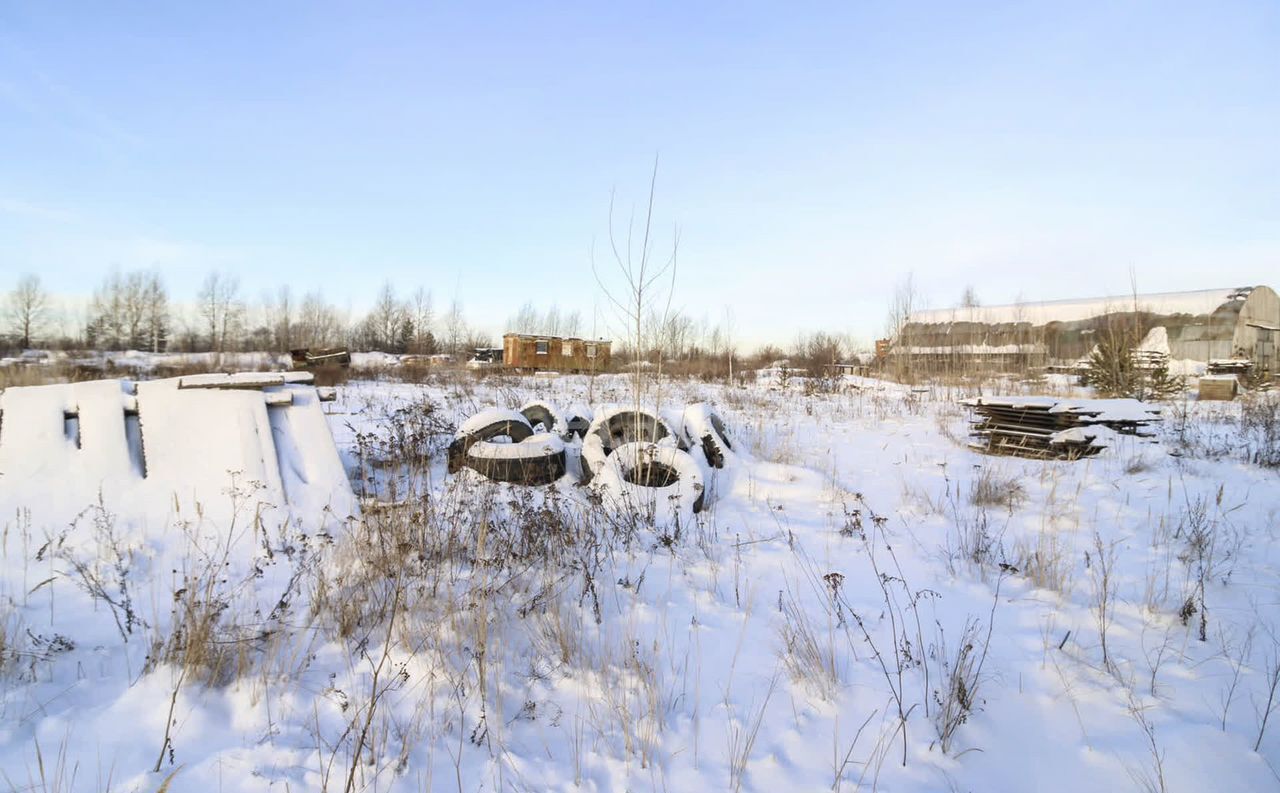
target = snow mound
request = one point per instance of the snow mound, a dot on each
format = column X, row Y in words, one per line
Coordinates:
column 490, row 416
column 646, row 478
column 541, row 444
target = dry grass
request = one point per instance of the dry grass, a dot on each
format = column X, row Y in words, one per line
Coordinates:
column 993, row 488
column 1260, row 428
column 961, row 676
column 808, row 656
column 11, row 638
column 1044, row 561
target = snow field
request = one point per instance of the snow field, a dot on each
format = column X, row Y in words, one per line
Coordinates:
column 865, row 604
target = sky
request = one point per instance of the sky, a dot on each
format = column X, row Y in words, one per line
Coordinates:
column 809, row 156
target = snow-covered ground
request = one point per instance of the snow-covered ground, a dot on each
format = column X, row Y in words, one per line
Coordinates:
column 865, row 603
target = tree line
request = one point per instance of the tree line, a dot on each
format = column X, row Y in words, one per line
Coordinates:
column 134, row 310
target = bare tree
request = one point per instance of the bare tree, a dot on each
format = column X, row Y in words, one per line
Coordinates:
column 678, row 335
column 904, row 304
column 129, row 310
column 455, row 326
column 281, row 319
column 969, row 299
column 319, row 324
column 220, row 308
column 105, row 328
column 28, row 308
column 386, row 321
column 551, row 321
column 905, row 298
column 526, row 320
column 571, row 323
column 133, row 293
column 155, row 312
column 423, row 318
column 638, row 282
column 729, row 328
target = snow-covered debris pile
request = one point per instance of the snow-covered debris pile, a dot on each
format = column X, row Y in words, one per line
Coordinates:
column 639, row 460
column 142, row 449
column 1045, row 427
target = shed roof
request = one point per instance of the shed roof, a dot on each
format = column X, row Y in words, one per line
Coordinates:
column 1204, row 301
column 549, row 337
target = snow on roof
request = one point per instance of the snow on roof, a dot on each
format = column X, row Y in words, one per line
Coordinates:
column 550, row 337
column 970, row 349
column 1205, row 301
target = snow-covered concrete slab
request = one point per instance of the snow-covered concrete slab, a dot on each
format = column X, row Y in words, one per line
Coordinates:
column 247, row 380
column 207, row 450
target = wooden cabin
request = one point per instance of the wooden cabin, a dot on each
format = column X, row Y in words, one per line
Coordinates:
column 534, row 353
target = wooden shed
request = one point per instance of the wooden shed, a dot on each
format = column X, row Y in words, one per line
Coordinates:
column 554, row 353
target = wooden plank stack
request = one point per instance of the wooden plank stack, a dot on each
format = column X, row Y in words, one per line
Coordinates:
column 1048, row 429
column 1240, row 367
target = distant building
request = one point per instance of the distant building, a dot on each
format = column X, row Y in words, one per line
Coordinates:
column 530, row 352
column 1207, row 325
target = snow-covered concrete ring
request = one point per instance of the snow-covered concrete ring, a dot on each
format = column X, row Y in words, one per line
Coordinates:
column 544, row 413
column 536, row 460
column 617, row 427
column 703, row 427
column 577, row 420
column 647, row 477
column 485, row 426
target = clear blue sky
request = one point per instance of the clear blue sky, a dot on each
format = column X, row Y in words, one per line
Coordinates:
column 811, row 154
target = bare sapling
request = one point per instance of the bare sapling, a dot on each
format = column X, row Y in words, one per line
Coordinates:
column 1272, row 701
column 643, row 282
column 1102, row 568
column 1237, row 657
column 1150, row 780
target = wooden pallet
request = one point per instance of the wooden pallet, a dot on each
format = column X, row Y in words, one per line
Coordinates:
column 1038, row 429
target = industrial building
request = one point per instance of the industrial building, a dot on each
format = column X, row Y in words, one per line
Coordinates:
column 1240, row 324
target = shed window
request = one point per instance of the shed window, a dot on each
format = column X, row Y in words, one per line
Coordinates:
column 591, row 350
column 567, row 349
column 542, row 346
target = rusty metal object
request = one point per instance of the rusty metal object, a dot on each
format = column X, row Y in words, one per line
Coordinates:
column 304, row 358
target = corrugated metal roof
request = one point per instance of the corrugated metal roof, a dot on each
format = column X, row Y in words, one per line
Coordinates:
column 1204, row 301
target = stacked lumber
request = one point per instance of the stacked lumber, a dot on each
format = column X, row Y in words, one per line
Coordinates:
column 1053, row 429
column 1150, row 359
column 1240, row 367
